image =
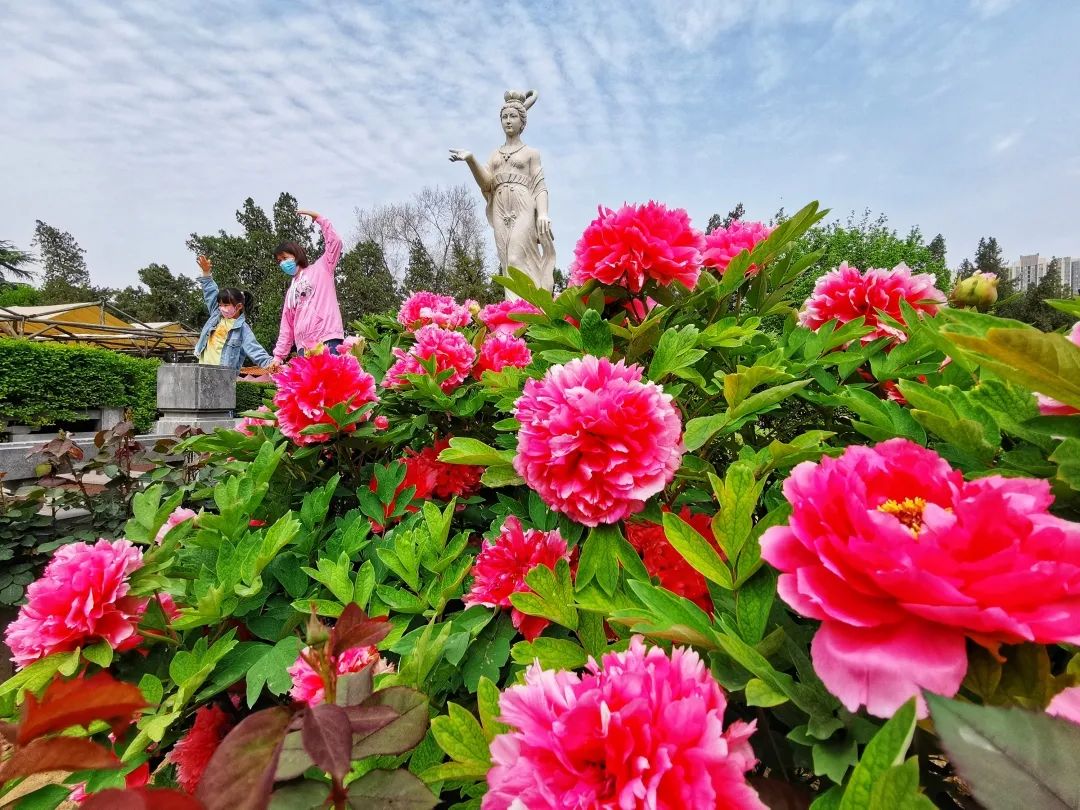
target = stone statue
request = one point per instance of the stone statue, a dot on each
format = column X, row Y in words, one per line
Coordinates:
column 512, row 183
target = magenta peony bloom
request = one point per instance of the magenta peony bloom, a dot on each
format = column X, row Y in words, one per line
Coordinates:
column 845, row 294
column 309, row 386
column 307, row 683
column 901, row 560
column 724, row 244
column 1048, row 406
column 639, row 243
column 249, row 423
column 80, row 599
column 646, row 730
column 502, row 565
column 451, row 350
column 499, row 351
column 1066, row 704
column 496, row 317
column 179, row 515
column 424, row 308
column 595, row 441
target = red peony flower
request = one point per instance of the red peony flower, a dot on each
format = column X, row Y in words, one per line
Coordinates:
column 499, row 351
column 425, row 308
column 595, row 441
column 193, row 751
column 645, row 730
column 902, row 560
column 845, row 294
column 724, row 244
column 639, row 243
column 497, row 317
column 451, row 351
column 419, row 473
column 502, row 565
column 668, row 565
column 381, row 422
column 310, row 385
column 82, row 597
column 451, row 480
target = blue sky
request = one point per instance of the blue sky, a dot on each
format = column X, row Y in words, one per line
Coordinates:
column 133, row 124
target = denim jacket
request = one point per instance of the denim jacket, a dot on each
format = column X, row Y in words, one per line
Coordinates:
column 240, row 341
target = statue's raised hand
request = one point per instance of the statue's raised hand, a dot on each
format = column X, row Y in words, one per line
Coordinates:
column 460, row 154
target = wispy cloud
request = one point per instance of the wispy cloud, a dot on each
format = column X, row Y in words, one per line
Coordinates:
column 134, row 124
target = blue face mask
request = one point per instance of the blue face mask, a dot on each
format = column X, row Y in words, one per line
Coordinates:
column 288, row 267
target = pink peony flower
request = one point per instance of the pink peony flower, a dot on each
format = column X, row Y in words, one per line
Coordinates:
column 499, row 351
column 309, row 386
column 381, row 422
column 179, row 515
column 307, row 683
column 81, row 598
column 425, row 308
column 724, row 244
column 646, row 730
column 845, row 294
column 1066, row 704
column 496, row 317
column 639, row 243
column 249, row 423
column 595, row 441
column 502, row 565
column 349, row 343
column 1048, row 406
column 193, row 751
column 168, row 606
column 901, row 559
column 451, row 350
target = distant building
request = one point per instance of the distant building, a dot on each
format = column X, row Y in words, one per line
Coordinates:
column 1031, row 269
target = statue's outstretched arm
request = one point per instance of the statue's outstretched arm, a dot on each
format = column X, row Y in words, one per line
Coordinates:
column 480, row 173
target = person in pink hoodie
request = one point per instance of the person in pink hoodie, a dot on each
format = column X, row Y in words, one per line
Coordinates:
column 311, row 314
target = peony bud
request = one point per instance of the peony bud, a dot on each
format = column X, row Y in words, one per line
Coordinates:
column 979, row 290
column 317, row 633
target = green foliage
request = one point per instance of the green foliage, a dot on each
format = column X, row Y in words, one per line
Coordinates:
column 65, row 279
column 45, row 384
column 365, row 284
column 250, row 396
column 19, row 295
column 165, row 298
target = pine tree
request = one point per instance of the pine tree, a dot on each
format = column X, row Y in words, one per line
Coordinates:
column 716, row 221
column 988, row 258
column 466, row 275
column 420, row 273
column 937, row 247
column 65, row 277
column 364, row 283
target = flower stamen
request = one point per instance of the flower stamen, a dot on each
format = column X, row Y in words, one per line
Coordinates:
column 908, row 511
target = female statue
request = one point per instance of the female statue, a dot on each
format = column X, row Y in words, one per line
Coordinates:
column 512, row 183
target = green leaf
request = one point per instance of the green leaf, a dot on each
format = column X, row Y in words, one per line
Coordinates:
column 674, row 352
column 552, row 653
column 759, row 693
column 488, row 654
column 463, row 450
column 390, row 789
column 100, row 654
column 501, row 475
column 886, row 750
column 1010, row 757
column 697, row 551
column 753, row 601
column 552, row 595
column 898, row 789
column 595, row 334
column 462, row 737
column 487, row 705
column 833, row 757
column 599, row 558
column 271, row 670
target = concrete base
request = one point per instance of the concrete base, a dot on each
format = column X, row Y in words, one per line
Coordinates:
column 206, row 422
column 195, row 396
column 17, row 467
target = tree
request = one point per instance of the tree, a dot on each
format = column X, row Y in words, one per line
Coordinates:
column 715, row 221
column 247, row 260
column 365, row 285
column 166, row 298
column 66, row 279
column 417, row 237
column 937, row 248
column 467, row 277
column 13, row 262
column 988, row 258
column 867, row 242
column 19, row 295
column 965, row 269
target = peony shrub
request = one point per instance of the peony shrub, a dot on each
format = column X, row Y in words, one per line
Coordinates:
column 661, row 544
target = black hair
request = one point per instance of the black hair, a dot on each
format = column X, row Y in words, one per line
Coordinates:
column 297, row 252
column 234, row 295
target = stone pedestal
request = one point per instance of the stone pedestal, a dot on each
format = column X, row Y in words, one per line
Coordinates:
column 195, row 396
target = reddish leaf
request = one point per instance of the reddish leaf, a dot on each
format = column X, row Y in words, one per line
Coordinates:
column 365, row 720
column 241, row 772
column 327, row 736
column 77, row 702
column 404, row 733
column 141, row 799
column 355, row 629
column 57, row 754
column 391, row 789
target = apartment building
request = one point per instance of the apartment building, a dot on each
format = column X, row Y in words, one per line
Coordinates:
column 1030, row 269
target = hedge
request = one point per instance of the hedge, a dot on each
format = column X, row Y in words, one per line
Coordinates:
column 250, row 395
column 48, row 383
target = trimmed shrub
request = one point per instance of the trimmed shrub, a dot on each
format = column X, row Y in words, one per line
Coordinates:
column 48, row 383
column 250, row 395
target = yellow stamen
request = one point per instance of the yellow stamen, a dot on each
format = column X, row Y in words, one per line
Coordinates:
column 908, row 511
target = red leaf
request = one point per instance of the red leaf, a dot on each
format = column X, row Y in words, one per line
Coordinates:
column 327, row 736
column 141, row 799
column 77, row 702
column 355, row 629
column 57, row 754
column 241, row 772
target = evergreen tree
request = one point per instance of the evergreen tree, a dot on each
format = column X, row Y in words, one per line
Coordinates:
column 988, row 258
column 65, row 277
column 167, row 297
column 14, row 262
column 716, row 221
column 937, row 248
column 420, row 273
column 466, row 275
column 364, row 283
